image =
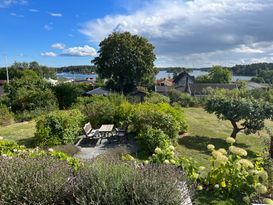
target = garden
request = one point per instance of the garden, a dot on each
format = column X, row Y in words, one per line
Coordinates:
column 212, row 150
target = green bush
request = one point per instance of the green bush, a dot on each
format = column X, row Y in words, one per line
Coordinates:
column 33, row 181
column 150, row 138
column 183, row 99
column 67, row 93
column 232, row 175
column 115, row 109
column 159, row 116
column 8, row 147
column 30, row 95
column 59, row 127
column 104, row 109
column 156, row 98
column 6, row 117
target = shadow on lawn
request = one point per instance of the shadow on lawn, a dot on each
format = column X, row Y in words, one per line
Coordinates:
column 200, row 143
column 28, row 142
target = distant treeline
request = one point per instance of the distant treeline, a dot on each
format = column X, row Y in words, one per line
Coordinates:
column 84, row 69
column 251, row 69
column 15, row 70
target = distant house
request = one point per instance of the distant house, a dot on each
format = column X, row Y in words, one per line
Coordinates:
column 164, row 82
column 163, row 86
column 138, row 95
column 183, row 80
column 201, row 89
column 2, row 83
column 97, row 91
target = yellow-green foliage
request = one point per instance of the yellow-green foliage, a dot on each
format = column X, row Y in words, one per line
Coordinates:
column 231, row 174
column 159, row 116
column 59, row 127
column 6, row 117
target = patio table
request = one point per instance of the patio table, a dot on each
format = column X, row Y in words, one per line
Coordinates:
column 106, row 130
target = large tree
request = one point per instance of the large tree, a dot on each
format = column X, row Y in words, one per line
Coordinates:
column 244, row 113
column 30, row 94
column 126, row 60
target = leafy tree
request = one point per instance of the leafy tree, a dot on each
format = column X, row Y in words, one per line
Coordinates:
column 217, row 74
column 15, row 70
column 30, row 93
column 126, row 60
column 244, row 113
column 67, row 93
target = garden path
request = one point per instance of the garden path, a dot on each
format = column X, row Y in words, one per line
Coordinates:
column 91, row 148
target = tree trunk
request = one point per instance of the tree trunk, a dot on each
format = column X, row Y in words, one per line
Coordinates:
column 271, row 147
column 235, row 130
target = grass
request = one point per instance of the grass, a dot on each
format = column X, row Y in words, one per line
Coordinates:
column 206, row 129
column 22, row 133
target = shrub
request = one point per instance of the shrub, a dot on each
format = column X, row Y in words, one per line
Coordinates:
column 231, row 174
column 6, row 117
column 33, row 181
column 30, row 95
column 8, row 147
column 115, row 182
column 156, row 98
column 100, row 110
column 59, row 127
column 101, row 183
column 182, row 99
column 67, row 93
column 159, row 116
column 157, row 184
column 150, row 138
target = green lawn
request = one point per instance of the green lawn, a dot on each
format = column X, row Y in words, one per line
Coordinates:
column 22, row 133
column 206, row 129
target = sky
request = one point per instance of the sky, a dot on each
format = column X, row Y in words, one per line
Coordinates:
column 188, row 33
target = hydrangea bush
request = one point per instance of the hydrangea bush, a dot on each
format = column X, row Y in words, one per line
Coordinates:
column 231, row 174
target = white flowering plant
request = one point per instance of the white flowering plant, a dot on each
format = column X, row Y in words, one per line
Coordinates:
column 166, row 155
column 231, row 174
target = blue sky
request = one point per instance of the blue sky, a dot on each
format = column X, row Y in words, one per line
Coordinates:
column 186, row 33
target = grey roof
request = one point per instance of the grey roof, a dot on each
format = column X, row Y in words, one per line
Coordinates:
column 98, row 91
column 253, row 85
column 200, row 88
column 181, row 75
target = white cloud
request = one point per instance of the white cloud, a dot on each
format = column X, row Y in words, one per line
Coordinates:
column 80, row 51
column 8, row 3
column 49, row 54
column 55, row 14
column 16, row 15
column 34, row 10
column 48, row 27
column 60, row 46
column 185, row 30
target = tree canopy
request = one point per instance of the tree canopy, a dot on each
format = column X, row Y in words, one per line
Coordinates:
column 126, row 60
column 30, row 94
column 217, row 74
column 245, row 113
